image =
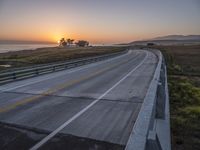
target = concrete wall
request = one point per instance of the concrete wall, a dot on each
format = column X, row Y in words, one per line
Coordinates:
column 152, row 128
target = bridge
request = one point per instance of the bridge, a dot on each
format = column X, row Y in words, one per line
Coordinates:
column 114, row 101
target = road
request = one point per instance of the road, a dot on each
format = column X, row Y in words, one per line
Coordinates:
column 98, row 102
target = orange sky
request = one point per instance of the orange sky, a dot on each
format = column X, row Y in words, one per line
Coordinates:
column 112, row 21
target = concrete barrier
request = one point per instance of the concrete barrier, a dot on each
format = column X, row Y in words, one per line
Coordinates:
column 152, row 127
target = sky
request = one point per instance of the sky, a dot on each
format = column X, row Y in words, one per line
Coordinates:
column 98, row 21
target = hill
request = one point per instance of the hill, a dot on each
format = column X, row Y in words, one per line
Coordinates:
column 170, row 40
column 178, row 37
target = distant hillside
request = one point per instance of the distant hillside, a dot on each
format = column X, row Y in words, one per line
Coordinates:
column 178, row 37
column 170, row 40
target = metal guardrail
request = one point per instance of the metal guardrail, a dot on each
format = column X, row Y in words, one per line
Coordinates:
column 151, row 130
column 44, row 69
column 53, row 63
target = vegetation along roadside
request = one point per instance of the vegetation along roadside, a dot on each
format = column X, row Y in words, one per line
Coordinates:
column 183, row 63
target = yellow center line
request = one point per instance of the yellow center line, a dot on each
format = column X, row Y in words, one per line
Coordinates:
column 57, row 88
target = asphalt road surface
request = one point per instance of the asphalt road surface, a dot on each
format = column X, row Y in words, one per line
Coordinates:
column 96, row 103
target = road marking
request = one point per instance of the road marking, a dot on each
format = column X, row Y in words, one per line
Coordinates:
column 68, row 72
column 52, row 134
column 58, row 87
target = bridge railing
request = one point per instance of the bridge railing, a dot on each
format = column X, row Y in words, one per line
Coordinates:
column 28, row 72
column 151, row 130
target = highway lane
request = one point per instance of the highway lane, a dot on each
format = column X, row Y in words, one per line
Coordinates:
column 47, row 102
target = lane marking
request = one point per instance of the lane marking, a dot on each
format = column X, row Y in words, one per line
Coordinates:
column 60, row 87
column 52, row 134
column 68, row 72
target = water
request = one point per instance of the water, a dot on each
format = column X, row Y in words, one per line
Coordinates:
column 16, row 47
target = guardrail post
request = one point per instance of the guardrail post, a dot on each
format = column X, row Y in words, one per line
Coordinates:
column 14, row 75
column 54, row 68
column 36, row 71
column 161, row 95
column 153, row 142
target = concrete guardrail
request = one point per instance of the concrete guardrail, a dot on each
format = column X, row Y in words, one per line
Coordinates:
column 151, row 130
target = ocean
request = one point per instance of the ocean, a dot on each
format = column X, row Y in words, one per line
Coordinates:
column 16, row 47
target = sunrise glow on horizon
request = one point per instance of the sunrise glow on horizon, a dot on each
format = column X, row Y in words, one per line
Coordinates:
column 98, row 21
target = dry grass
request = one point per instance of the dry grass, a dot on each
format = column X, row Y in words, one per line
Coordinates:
column 187, row 57
column 183, row 63
column 53, row 54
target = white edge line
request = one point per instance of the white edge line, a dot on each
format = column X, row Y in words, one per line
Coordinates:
column 52, row 134
column 69, row 71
